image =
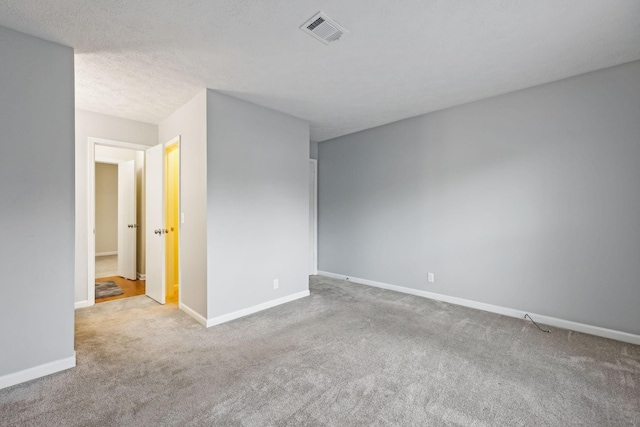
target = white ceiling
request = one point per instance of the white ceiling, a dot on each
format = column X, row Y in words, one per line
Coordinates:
column 142, row 59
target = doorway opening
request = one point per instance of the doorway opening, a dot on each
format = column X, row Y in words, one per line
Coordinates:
column 118, row 173
column 172, row 214
column 116, row 220
column 163, row 221
column 148, row 230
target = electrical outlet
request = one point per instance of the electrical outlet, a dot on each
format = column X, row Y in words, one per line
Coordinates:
column 276, row 284
column 432, row 278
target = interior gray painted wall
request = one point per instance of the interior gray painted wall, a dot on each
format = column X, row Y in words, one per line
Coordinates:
column 190, row 122
column 529, row 200
column 37, row 210
column 96, row 125
column 258, row 204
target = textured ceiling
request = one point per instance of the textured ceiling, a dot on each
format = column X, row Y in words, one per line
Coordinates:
column 142, row 59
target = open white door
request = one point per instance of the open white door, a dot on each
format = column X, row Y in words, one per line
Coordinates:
column 155, row 225
column 127, row 220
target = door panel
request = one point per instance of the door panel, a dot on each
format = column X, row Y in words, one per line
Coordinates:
column 127, row 220
column 155, row 224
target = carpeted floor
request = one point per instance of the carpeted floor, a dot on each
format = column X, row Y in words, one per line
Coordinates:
column 347, row 355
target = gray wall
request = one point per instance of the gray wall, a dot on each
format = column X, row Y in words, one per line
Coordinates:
column 190, row 122
column 117, row 155
column 257, row 204
column 37, row 209
column 529, row 200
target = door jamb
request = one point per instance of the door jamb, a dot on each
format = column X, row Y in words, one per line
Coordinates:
column 314, row 162
column 91, row 206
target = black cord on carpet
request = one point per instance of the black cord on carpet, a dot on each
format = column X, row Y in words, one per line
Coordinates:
column 543, row 330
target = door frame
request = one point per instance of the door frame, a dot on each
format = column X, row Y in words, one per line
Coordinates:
column 91, row 205
column 314, row 164
column 177, row 141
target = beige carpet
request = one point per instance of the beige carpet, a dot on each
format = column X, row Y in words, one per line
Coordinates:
column 347, row 355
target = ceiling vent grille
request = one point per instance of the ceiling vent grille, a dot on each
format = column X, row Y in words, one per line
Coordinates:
column 323, row 28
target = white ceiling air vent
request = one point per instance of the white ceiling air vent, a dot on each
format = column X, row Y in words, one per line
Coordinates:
column 323, row 28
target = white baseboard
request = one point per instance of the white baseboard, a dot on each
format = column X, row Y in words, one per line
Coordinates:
column 250, row 310
column 37, row 371
column 82, row 304
column 106, row 253
column 141, row 276
column 547, row 320
column 191, row 312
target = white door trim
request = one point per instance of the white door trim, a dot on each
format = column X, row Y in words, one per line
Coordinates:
column 314, row 164
column 91, row 206
column 107, row 161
